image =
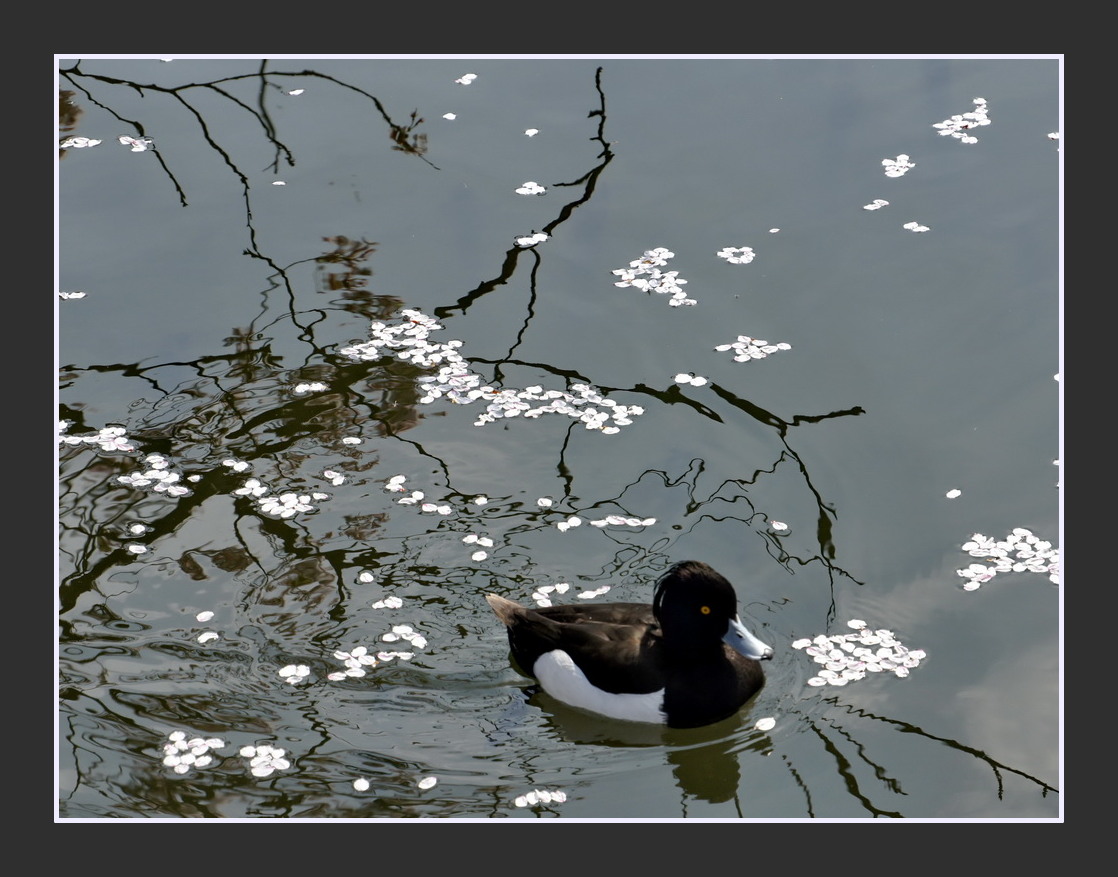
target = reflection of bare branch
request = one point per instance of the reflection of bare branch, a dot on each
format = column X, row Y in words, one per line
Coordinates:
column 404, row 137
column 588, row 181
column 905, row 728
column 529, row 312
column 824, row 523
column 850, row 780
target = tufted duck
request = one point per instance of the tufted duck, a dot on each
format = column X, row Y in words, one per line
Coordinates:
column 684, row 661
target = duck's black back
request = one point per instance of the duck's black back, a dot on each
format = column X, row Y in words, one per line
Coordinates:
column 616, row 645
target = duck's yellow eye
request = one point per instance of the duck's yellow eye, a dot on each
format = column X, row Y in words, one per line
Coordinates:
column 705, row 610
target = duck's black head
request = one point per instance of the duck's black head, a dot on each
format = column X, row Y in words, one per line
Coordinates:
column 698, row 610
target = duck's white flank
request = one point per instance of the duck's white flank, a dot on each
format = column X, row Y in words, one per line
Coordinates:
column 562, row 679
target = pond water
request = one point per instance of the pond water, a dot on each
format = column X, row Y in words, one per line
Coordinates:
column 240, row 434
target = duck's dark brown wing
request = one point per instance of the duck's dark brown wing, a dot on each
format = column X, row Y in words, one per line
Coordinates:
column 616, row 645
column 607, row 613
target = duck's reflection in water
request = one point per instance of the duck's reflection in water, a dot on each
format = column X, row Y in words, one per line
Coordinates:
column 704, row 761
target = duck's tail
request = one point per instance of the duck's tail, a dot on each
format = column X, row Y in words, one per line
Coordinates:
column 506, row 610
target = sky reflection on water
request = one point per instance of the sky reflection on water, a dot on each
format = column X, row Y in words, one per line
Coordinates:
column 260, row 379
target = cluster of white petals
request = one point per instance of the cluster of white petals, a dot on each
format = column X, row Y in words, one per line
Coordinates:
column 263, row 759
column 737, row 255
column 295, row 673
column 849, row 657
column 899, row 166
column 157, row 477
column 542, row 594
column 645, row 274
column 286, row 505
column 622, row 521
column 392, row 602
column 482, row 542
column 876, row 204
column 78, row 143
column 961, row 125
column 136, row 144
column 916, row 226
column 746, row 348
column 540, row 796
column 112, row 439
column 407, row 633
column 202, row 617
column 252, row 487
column 1019, row 551
column 530, row 240
column 283, row 505
column 182, row 753
column 355, row 661
column 530, row 188
column 409, row 340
